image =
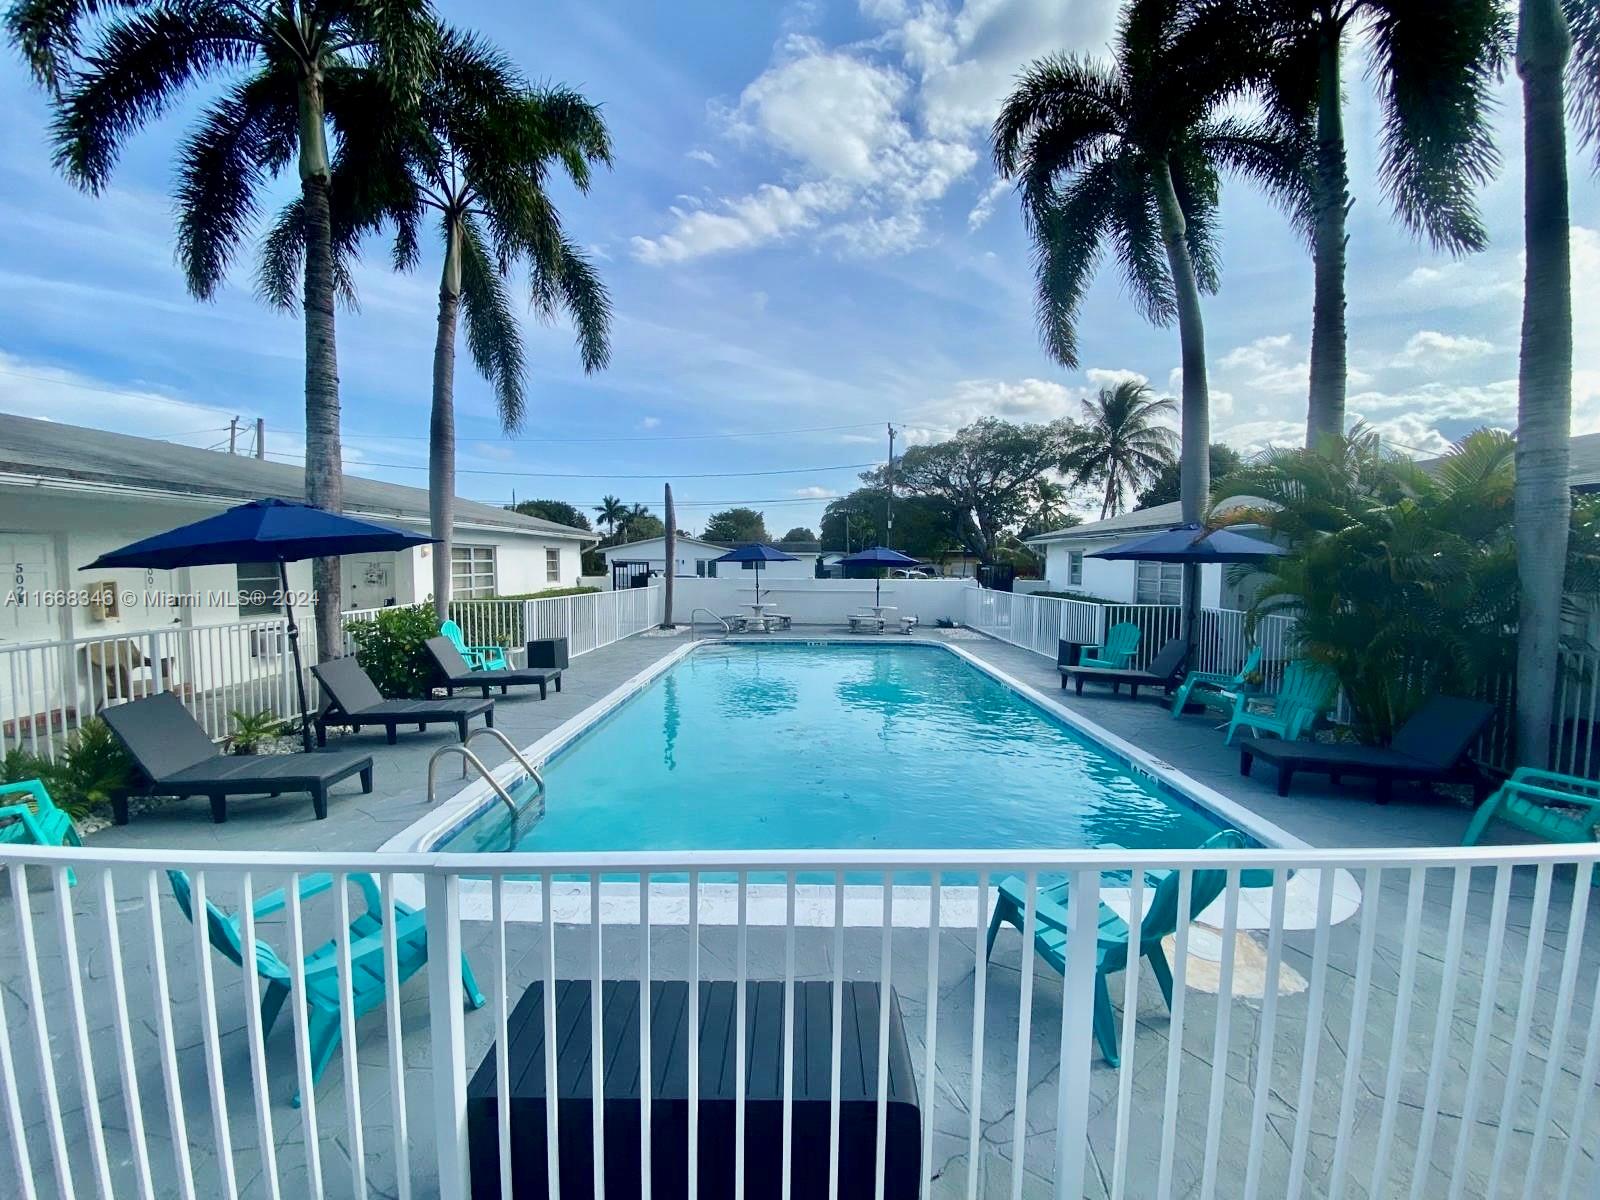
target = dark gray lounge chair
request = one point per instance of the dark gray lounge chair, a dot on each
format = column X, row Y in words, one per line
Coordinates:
column 1431, row 747
column 354, row 702
column 453, row 671
column 1165, row 671
column 173, row 756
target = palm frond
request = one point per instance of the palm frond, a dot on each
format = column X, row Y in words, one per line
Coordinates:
column 49, row 34
column 1057, row 119
column 1066, row 250
column 141, row 62
column 1273, row 154
column 493, row 338
column 1583, row 71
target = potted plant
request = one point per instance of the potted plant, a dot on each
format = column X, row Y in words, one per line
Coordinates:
column 251, row 730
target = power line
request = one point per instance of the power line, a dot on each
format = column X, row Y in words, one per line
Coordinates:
column 643, row 437
column 597, row 475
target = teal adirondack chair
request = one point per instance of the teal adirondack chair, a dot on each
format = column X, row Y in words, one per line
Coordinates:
column 479, row 658
column 1212, row 683
column 1308, row 691
column 1547, row 804
column 321, row 967
column 1113, row 943
column 1121, row 641
column 35, row 819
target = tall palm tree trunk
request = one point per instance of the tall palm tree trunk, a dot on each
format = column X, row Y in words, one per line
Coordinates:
column 442, row 424
column 1331, row 205
column 1544, row 383
column 672, row 558
column 324, row 478
column 1194, row 487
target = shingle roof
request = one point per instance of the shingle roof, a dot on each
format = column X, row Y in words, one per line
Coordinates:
column 73, row 453
column 1160, row 516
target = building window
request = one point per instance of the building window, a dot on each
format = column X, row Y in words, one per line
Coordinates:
column 472, row 572
column 552, row 566
column 1158, row 583
column 747, row 566
column 259, row 584
column 1074, row 568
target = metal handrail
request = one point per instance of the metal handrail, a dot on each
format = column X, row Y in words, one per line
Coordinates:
column 468, row 757
column 693, row 624
column 511, row 750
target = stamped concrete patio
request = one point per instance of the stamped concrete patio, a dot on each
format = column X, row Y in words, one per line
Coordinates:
column 1403, row 1033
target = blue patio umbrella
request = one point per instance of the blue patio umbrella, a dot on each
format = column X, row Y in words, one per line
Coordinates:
column 758, row 553
column 879, row 556
column 280, row 531
column 1192, row 544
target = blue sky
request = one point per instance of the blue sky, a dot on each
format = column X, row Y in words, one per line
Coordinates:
column 803, row 239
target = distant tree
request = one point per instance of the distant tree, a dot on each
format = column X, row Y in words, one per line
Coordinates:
column 1122, row 443
column 924, row 527
column 611, row 511
column 640, row 525
column 1049, row 504
column 984, row 475
column 1225, row 460
column 558, row 511
column 799, row 534
column 737, row 525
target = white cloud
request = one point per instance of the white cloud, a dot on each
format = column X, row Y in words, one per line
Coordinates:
column 984, row 208
column 1111, row 376
column 1022, row 400
column 702, row 156
column 650, row 423
column 813, row 492
column 765, row 215
column 1430, row 350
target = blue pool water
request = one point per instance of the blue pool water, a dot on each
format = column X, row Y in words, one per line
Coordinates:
column 827, row 746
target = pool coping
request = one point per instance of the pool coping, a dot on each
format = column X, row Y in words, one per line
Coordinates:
column 425, row 834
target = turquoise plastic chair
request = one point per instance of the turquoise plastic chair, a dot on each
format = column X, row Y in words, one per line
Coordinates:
column 1121, row 641
column 321, row 967
column 479, row 658
column 1113, row 942
column 1551, row 806
column 1308, row 691
column 1212, row 683
column 36, row 819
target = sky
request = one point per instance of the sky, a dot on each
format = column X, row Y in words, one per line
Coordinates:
column 804, row 240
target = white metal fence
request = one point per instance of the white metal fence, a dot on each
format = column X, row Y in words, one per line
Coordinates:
column 49, row 689
column 1389, row 1023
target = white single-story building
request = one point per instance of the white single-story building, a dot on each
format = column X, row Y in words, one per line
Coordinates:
column 68, row 494
column 1069, row 567
column 698, row 558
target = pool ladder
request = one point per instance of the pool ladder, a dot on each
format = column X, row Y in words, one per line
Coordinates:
column 693, row 624
column 464, row 749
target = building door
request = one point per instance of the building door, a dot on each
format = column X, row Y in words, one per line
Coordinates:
column 29, row 564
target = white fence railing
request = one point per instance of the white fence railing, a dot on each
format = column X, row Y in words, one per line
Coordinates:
column 49, row 689
column 1390, row 1023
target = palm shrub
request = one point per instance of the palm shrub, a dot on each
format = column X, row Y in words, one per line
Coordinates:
column 389, row 648
column 82, row 777
column 1401, row 579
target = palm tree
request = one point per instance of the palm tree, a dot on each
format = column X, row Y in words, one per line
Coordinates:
column 290, row 65
column 1545, row 43
column 1130, row 153
column 476, row 150
column 1435, row 63
column 1049, row 503
column 612, row 512
column 1123, row 446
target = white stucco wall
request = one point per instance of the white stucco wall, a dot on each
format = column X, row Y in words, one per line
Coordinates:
column 688, row 553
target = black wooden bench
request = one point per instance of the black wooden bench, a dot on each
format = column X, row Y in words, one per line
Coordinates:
column 764, row 1049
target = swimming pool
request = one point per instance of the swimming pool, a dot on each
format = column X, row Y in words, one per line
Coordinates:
column 814, row 746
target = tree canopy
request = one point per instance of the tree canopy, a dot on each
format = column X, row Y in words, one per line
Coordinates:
column 924, row 526
column 799, row 534
column 737, row 525
column 985, row 475
column 558, row 511
column 1225, row 460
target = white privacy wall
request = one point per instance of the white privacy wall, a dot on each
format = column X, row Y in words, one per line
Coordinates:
column 822, row 601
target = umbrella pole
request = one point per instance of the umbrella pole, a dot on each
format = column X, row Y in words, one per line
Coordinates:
column 294, row 649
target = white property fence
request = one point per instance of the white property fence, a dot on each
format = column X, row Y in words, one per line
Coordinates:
column 1387, row 1023
column 49, row 689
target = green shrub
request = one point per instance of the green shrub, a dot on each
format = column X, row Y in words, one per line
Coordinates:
column 80, row 779
column 1084, row 597
column 548, row 593
column 389, row 649
column 250, row 730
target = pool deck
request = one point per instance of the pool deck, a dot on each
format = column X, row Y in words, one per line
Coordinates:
column 1320, row 815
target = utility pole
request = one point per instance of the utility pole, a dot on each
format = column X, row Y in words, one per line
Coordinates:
column 233, row 435
column 888, row 524
column 261, row 437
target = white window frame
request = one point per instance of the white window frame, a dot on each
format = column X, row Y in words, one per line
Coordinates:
column 1157, row 583
column 474, row 572
column 552, row 564
column 1074, row 568
column 258, row 578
